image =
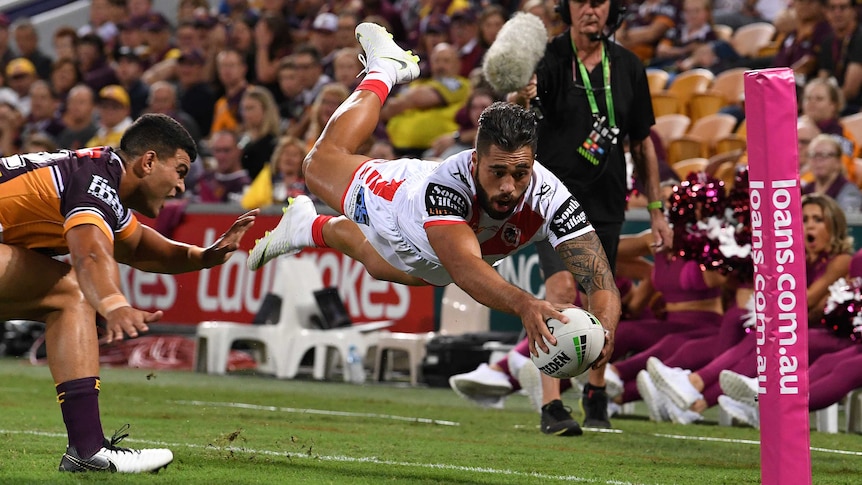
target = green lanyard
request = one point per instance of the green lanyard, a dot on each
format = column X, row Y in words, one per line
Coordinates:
column 606, row 71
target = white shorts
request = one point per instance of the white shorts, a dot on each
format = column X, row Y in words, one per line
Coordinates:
column 371, row 203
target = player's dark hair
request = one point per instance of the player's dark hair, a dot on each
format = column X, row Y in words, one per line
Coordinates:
column 507, row 126
column 160, row 133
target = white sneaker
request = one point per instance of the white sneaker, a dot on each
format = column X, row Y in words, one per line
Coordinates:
column 112, row 458
column 654, row 400
column 673, row 382
column 740, row 411
column 379, row 46
column 613, row 384
column 530, row 378
column 679, row 415
column 283, row 240
column 484, row 386
column 739, row 387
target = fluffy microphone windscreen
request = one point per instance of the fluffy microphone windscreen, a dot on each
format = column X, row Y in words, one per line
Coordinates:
column 512, row 58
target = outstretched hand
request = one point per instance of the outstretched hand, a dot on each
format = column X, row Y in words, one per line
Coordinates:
column 129, row 321
column 534, row 319
column 222, row 249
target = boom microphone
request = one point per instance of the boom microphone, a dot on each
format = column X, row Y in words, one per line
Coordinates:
column 512, row 59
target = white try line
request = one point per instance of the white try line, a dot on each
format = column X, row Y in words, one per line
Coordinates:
column 324, row 412
column 347, row 459
column 750, row 442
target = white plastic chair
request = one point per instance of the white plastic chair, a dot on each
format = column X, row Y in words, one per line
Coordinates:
column 281, row 347
column 459, row 313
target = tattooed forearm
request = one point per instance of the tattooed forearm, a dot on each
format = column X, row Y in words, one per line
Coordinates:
column 586, row 259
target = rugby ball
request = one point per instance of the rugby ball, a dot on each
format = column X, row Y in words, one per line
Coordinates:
column 579, row 344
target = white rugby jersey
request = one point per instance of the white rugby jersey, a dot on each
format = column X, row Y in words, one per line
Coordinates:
column 430, row 193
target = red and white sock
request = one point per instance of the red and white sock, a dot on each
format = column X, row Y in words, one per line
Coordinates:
column 317, row 231
column 379, row 80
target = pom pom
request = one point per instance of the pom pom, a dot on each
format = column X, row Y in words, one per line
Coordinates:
column 842, row 315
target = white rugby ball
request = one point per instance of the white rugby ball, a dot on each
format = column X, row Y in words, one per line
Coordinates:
column 579, row 344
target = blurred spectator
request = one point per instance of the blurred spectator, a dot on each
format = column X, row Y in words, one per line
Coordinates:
column 38, row 142
column 281, row 178
column 11, row 122
column 65, row 42
column 679, row 42
column 415, row 117
column 467, row 118
column 163, row 99
column 824, row 160
column 6, row 53
column 840, row 53
column 100, row 22
column 392, row 15
column 139, row 8
column 20, row 75
column 318, row 114
column 798, row 50
column 446, row 7
column 291, row 107
column 231, row 71
column 44, row 113
column 78, row 118
column 822, row 101
column 27, row 41
column 347, row 67
column 493, row 17
column 189, row 10
column 381, row 150
column 272, row 41
column 112, row 110
column 346, row 34
column 806, row 130
column 95, row 70
column 645, row 25
column 322, row 36
column 307, row 61
column 227, row 181
column 197, row 96
column 131, row 34
column 187, row 37
column 130, row 68
column 241, row 39
column 259, row 128
column 64, row 75
column 157, row 35
column 433, row 30
column 736, row 13
column 464, row 34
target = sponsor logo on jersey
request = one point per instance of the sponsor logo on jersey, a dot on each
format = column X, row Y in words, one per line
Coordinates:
column 101, row 189
column 511, row 235
column 360, row 212
column 444, row 201
column 569, row 218
column 14, row 162
column 544, row 191
column 463, row 178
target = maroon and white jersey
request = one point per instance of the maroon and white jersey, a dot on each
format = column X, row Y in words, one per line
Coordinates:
column 395, row 201
column 43, row 195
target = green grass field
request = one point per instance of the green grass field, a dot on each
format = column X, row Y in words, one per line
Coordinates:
column 246, row 429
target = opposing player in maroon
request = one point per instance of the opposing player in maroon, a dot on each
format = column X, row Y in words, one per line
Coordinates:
column 79, row 203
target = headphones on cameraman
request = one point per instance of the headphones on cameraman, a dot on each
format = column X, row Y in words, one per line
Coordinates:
column 616, row 15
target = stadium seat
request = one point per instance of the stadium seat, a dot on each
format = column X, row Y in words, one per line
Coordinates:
column 747, row 40
column 279, row 348
column 685, row 167
column 657, row 79
column 670, row 127
column 705, row 132
column 687, row 83
column 459, row 314
column 723, row 32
